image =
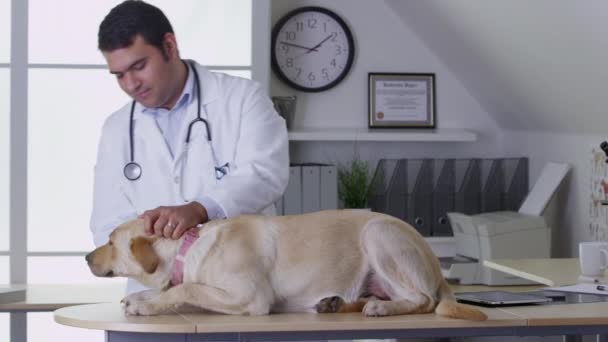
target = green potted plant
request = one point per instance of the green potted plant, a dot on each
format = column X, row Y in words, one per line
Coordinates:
column 353, row 184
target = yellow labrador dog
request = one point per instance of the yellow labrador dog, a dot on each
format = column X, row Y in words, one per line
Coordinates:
column 329, row 261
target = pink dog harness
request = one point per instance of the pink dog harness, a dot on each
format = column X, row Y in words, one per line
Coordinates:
column 177, row 276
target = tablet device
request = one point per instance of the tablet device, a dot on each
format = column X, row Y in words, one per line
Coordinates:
column 500, row 298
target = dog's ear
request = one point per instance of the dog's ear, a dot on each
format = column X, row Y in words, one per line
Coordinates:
column 143, row 252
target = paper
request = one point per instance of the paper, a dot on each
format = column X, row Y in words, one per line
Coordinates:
column 401, row 100
column 544, row 188
column 582, row 288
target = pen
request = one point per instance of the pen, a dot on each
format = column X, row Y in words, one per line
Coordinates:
column 601, row 288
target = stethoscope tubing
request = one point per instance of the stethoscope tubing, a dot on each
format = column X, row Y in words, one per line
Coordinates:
column 133, row 170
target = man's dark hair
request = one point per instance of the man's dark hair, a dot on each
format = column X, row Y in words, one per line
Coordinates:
column 128, row 19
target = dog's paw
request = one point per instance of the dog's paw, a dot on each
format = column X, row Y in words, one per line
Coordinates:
column 329, row 304
column 133, row 305
column 375, row 308
column 135, row 308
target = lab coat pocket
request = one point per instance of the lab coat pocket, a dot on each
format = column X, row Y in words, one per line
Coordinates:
column 198, row 169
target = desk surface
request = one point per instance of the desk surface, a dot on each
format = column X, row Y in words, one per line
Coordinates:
column 110, row 316
column 551, row 272
column 48, row 297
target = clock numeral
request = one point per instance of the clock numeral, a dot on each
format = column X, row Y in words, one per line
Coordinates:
column 334, row 35
column 285, row 48
column 289, row 62
column 299, row 72
column 290, row 35
column 312, row 23
column 338, row 50
column 325, row 73
column 299, row 26
column 333, row 63
column 324, row 27
column 311, row 76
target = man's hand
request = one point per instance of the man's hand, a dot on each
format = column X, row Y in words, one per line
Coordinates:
column 173, row 222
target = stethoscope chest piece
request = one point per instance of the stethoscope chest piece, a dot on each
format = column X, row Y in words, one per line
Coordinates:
column 132, row 171
column 221, row 171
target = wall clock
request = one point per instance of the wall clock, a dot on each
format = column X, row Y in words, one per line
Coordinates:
column 312, row 49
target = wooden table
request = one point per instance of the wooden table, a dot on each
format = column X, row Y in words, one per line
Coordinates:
column 579, row 319
column 571, row 319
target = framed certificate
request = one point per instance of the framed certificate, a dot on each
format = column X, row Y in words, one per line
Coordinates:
column 401, row 100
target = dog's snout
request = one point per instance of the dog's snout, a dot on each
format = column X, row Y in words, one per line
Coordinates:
column 88, row 257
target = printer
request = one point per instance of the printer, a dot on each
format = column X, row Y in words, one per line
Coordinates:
column 503, row 235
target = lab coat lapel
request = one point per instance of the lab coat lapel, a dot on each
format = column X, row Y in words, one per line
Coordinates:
column 207, row 93
column 152, row 136
column 181, row 147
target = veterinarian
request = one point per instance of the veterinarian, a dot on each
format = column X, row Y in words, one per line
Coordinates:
column 191, row 146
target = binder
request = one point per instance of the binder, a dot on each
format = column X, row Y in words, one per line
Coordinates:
column 515, row 172
column 492, row 185
column 468, row 186
column 443, row 197
column 329, row 187
column 388, row 189
column 311, row 182
column 292, row 199
column 419, row 203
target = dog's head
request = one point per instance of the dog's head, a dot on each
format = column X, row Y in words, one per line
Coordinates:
column 128, row 253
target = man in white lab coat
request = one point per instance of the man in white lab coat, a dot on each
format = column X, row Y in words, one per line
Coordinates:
column 236, row 158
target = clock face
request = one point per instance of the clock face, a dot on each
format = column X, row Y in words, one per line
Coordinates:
column 312, row 49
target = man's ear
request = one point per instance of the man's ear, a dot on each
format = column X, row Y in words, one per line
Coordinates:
column 143, row 252
column 169, row 49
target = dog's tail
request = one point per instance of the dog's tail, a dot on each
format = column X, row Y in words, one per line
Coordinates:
column 448, row 306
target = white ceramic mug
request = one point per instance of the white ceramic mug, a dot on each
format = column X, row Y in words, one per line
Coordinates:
column 593, row 258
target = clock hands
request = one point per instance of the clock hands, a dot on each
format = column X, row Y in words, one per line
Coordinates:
column 300, row 46
column 314, row 48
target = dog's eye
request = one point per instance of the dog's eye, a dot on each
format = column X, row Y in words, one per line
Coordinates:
column 110, row 242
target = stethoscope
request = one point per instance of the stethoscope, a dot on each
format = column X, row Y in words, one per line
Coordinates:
column 132, row 169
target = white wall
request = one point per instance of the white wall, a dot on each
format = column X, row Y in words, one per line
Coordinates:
column 572, row 219
column 533, row 65
column 384, row 44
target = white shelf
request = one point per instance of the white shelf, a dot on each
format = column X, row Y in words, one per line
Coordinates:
column 366, row 134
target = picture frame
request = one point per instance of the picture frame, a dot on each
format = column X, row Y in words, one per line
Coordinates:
column 401, row 100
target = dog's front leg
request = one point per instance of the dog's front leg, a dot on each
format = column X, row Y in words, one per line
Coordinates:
column 140, row 296
column 203, row 296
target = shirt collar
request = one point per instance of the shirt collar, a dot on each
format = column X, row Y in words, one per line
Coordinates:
column 184, row 99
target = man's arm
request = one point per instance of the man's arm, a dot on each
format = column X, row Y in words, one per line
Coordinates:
column 261, row 166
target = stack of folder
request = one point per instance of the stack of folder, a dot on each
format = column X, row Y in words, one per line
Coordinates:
column 312, row 187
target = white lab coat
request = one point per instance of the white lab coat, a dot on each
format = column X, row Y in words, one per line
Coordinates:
column 246, row 132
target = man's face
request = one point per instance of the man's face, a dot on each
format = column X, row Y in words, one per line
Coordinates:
column 143, row 72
